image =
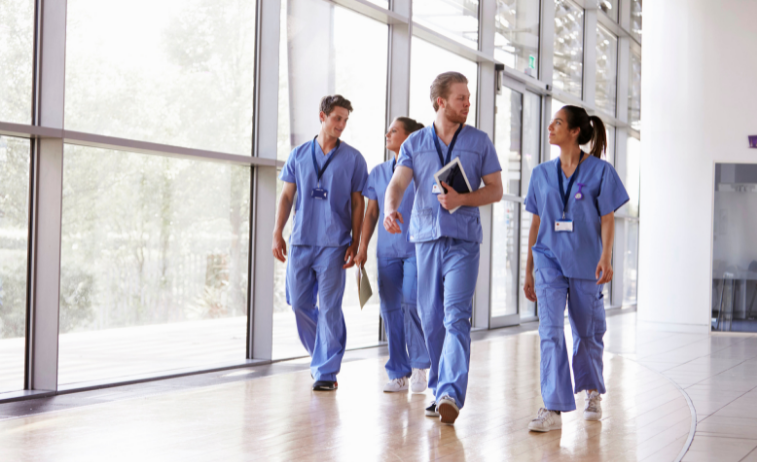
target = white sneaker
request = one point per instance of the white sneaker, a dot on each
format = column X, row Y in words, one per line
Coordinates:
column 418, row 381
column 396, row 385
column 448, row 410
column 592, row 408
column 545, row 421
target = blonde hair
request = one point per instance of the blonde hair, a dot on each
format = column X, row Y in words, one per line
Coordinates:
column 440, row 87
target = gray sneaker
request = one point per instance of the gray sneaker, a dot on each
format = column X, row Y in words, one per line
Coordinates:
column 431, row 410
column 593, row 408
column 545, row 421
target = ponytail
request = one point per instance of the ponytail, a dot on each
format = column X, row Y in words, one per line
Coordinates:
column 598, row 138
column 592, row 129
column 410, row 125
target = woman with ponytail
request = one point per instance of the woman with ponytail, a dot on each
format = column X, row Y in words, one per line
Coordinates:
column 573, row 200
column 397, row 272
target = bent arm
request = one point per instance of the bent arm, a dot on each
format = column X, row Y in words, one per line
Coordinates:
column 490, row 193
column 396, row 189
column 533, row 233
column 285, row 207
column 358, row 206
column 608, row 234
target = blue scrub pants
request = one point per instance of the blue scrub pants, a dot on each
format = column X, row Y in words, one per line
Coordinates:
column 398, row 287
column 586, row 312
column 447, row 274
column 321, row 329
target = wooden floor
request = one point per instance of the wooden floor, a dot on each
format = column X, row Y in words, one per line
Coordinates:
column 646, row 417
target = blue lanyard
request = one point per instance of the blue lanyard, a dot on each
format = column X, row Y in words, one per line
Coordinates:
column 451, row 145
column 319, row 171
column 394, row 164
column 563, row 195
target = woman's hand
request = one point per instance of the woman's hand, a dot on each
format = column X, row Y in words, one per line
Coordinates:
column 605, row 268
column 528, row 287
column 361, row 257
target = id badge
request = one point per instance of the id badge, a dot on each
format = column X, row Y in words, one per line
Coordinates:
column 436, row 189
column 564, row 226
column 319, row 193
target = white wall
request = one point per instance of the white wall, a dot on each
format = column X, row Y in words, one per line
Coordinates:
column 699, row 103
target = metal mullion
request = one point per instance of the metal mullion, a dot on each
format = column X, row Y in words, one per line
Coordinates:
column 374, row 11
column 263, row 186
column 589, row 82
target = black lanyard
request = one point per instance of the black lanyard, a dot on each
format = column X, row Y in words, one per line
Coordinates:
column 563, row 195
column 451, row 145
column 319, row 171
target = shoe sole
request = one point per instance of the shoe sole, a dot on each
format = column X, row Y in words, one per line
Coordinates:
column 593, row 418
column 395, row 391
column 448, row 413
column 544, row 430
column 418, row 391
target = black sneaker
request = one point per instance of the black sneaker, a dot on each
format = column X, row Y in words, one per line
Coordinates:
column 325, row 385
column 431, row 411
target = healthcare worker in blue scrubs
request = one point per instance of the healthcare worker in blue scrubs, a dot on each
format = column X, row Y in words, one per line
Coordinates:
column 446, row 244
column 397, row 272
column 327, row 177
column 573, row 200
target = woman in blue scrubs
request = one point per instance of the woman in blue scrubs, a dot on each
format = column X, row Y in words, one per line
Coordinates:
column 573, row 200
column 397, row 272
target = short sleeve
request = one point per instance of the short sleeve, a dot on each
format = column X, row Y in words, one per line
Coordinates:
column 360, row 175
column 489, row 161
column 406, row 156
column 369, row 190
column 612, row 193
column 531, row 202
column 289, row 170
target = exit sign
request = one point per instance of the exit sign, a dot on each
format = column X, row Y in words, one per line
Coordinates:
column 753, row 141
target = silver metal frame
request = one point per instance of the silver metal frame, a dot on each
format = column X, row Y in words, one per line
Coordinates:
column 48, row 136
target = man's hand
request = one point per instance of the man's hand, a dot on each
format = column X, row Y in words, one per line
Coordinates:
column 604, row 267
column 349, row 256
column 528, row 287
column 279, row 247
column 451, row 200
column 361, row 257
column 391, row 223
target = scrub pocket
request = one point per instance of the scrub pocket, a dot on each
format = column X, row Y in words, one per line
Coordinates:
column 467, row 223
column 422, row 225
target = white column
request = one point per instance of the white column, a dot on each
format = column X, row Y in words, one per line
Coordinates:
column 260, row 332
column 47, row 187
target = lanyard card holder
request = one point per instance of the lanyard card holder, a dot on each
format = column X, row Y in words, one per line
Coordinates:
column 319, row 193
column 564, row 226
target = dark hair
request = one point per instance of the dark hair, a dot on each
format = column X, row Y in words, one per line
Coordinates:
column 592, row 129
column 410, row 125
column 328, row 103
column 442, row 82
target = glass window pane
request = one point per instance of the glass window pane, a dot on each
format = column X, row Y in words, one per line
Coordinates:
column 607, row 70
column 504, row 278
column 610, row 8
column 342, row 52
column 610, row 154
column 636, row 17
column 631, row 182
column 516, row 39
column 630, row 261
column 554, row 150
column 456, row 19
column 154, row 264
column 569, row 48
column 507, row 137
column 14, row 231
column 178, row 72
column 531, row 142
column 634, row 91
column 16, row 60
column 426, row 62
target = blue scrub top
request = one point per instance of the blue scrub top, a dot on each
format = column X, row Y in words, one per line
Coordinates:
column 430, row 221
column 324, row 222
column 390, row 245
column 575, row 253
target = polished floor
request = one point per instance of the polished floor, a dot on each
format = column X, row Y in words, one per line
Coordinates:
column 663, row 390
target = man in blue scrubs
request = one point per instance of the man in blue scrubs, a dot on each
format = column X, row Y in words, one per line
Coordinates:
column 327, row 177
column 447, row 244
